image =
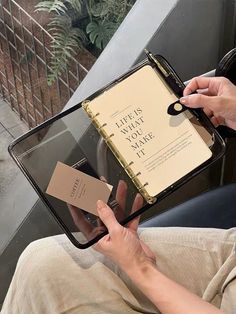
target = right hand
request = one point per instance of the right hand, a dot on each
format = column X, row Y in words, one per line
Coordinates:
column 217, row 97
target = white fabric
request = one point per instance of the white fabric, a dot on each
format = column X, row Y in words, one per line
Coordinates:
column 52, row 276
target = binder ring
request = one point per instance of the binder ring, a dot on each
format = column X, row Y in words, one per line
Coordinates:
column 108, row 137
column 142, row 186
column 97, row 114
column 85, row 103
column 130, row 164
column 138, row 174
column 102, row 126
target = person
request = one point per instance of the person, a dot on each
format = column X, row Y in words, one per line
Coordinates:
column 151, row 270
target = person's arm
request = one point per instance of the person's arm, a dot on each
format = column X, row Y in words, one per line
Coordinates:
column 168, row 296
column 123, row 246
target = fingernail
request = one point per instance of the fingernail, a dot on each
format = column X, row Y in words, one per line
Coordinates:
column 183, row 100
column 102, row 178
column 122, row 182
column 100, row 205
column 139, row 196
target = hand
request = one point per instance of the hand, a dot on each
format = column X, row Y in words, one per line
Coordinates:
column 91, row 230
column 122, row 245
column 217, row 97
column 83, row 224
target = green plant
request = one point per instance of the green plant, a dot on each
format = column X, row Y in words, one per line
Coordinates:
column 59, row 6
column 100, row 32
column 66, row 40
column 78, row 24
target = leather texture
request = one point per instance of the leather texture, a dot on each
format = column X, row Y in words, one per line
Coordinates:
column 213, row 209
column 227, row 66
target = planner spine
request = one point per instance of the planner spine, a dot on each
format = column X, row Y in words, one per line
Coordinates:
column 126, row 165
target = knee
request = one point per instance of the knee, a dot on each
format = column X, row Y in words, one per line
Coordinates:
column 38, row 259
column 34, row 274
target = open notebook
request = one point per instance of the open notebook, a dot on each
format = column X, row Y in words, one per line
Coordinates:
column 154, row 148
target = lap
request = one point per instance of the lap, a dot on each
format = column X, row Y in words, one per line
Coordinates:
column 53, row 276
column 199, row 259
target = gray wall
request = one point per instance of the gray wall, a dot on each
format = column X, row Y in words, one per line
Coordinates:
column 195, row 35
column 192, row 34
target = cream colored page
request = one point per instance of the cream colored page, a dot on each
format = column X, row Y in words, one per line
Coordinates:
column 163, row 148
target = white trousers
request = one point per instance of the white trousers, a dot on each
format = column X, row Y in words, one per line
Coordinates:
column 53, row 276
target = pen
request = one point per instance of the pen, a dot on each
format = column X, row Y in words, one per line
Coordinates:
column 175, row 108
column 154, row 60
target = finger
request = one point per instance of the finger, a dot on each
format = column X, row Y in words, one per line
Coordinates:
column 202, row 82
column 221, row 121
column 187, row 91
column 215, row 121
column 99, row 246
column 119, row 213
column 121, row 194
column 99, row 222
column 102, row 178
column 208, row 112
column 204, row 92
column 137, row 204
column 108, row 218
column 196, row 101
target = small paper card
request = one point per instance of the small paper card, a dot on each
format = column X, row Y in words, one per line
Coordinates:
column 77, row 188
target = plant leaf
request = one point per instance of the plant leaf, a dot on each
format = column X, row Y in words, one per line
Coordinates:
column 100, row 32
column 56, row 6
column 99, row 9
column 76, row 4
column 66, row 42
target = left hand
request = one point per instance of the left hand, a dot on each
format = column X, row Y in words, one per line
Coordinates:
column 91, row 230
column 122, row 245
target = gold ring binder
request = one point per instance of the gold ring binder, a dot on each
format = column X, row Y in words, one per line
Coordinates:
column 142, row 186
column 102, row 126
column 97, row 114
column 110, row 136
column 128, row 165
column 138, row 174
column 85, row 104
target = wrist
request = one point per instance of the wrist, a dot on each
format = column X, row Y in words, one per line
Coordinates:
column 140, row 270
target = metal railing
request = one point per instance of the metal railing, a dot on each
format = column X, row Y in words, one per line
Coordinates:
column 25, row 63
